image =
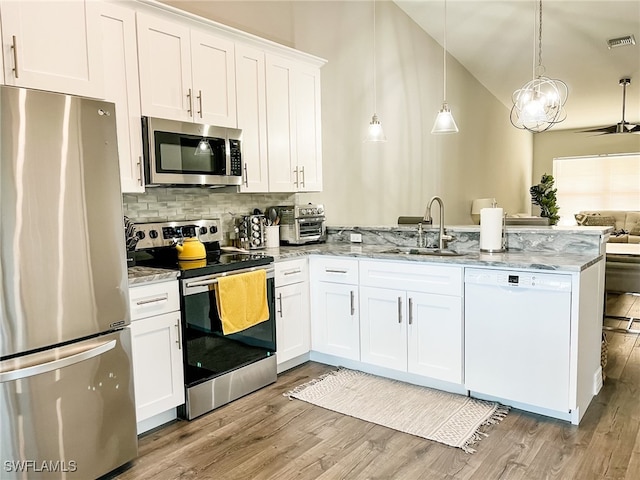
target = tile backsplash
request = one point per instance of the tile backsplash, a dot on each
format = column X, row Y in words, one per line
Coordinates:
column 168, row 204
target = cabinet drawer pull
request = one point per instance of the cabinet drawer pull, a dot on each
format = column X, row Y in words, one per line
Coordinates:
column 14, row 47
column 178, row 341
column 292, row 272
column 147, row 301
column 280, row 302
column 399, row 309
column 190, row 109
column 332, row 270
column 410, row 311
column 199, row 97
column 353, row 305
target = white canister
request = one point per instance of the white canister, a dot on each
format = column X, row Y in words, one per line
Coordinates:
column 272, row 236
column 491, row 224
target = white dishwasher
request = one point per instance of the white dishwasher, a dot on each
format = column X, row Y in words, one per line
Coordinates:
column 517, row 336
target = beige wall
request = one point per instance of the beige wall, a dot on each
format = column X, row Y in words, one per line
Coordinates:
column 573, row 143
column 373, row 184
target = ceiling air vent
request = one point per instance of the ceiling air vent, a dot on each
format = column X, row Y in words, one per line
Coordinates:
column 621, row 41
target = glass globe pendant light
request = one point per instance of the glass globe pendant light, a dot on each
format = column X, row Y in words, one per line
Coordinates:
column 444, row 120
column 539, row 104
column 375, row 132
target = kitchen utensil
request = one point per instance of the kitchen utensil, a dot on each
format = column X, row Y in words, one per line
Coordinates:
column 191, row 249
column 272, row 215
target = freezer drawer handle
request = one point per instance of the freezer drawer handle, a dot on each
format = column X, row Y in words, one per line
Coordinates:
column 49, row 366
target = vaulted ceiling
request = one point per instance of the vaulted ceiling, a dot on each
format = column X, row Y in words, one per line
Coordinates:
column 494, row 40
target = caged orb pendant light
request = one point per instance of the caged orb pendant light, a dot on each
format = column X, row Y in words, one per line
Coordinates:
column 539, row 104
column 444, row 120
column 375, row 132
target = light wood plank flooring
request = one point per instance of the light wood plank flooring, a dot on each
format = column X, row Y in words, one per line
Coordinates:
column 267, row 436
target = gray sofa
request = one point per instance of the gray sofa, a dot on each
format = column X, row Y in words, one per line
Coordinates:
column 626, row 223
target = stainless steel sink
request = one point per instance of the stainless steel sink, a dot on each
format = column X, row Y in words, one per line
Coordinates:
column 433, row 252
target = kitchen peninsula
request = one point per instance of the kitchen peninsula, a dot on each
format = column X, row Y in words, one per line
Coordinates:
column 360, row 276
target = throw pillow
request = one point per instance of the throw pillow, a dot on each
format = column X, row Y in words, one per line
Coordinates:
column 635, row 230
column 594, row 220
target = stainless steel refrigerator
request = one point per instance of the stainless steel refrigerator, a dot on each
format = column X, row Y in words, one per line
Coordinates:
column 66, row 387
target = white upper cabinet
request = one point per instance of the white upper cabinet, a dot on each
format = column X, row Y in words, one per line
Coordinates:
column 293, row 118
column 185, row 74
column 252, row 117
column 53, row 45
column 121, row 87
column 214, row 79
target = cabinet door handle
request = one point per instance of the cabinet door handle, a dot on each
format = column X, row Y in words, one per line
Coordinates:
column 280, row 301
column 190, row 109
column 199, row 97
column 410, row 311
column 353, row 305
column 14, row 47
column 146, row 301
column 141, row 171
column 246, row 176
column 302, row 172
column 332, row 270
column 292, row 272
column 295, row 170
column 178, row 341
column 399, row 309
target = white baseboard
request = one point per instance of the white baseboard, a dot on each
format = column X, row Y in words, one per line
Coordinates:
column 157, row 420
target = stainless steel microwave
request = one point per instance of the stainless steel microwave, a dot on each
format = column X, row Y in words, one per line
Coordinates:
column 181, row 153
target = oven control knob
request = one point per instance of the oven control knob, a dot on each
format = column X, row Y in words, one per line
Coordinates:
column 213, row 229
column 203, row 230
column 303, row 211
column 140, row 234
column 314, row 211
column 320, row 210
column 153, row 233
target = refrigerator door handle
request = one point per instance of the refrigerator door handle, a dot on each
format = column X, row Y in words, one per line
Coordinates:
column 52, row 361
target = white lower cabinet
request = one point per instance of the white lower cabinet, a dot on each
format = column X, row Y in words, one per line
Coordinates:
column 335, row 313
column 158, row 376
column 416, row 331
column 293, row 337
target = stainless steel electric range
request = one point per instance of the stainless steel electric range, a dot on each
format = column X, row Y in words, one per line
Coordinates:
column 218, row 368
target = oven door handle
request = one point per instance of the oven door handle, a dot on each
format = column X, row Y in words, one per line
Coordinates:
column 213, row 281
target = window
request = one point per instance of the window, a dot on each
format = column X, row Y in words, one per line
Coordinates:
column 607, row 182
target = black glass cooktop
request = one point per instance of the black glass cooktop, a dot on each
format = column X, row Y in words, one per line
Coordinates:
column 216, row 261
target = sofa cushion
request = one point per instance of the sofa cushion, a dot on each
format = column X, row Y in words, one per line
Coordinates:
column 632, row 223
column 595, row 220
column 619, row 215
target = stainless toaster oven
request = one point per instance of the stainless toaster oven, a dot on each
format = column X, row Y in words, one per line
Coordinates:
column 300, row 224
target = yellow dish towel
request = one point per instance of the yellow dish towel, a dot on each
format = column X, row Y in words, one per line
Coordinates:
column 242, row 300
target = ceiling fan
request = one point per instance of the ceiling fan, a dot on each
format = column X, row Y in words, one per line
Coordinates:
column 623, row 126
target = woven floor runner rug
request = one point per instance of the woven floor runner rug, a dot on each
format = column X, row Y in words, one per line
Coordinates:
column 448, row 418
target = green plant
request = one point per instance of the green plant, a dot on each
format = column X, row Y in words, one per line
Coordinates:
column 544, row 195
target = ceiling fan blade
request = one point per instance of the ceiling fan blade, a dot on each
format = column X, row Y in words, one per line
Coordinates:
column 603, row 130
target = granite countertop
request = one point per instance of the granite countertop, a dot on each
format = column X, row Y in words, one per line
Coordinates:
column 512, row 259
column 139, row 275
column 549, row 261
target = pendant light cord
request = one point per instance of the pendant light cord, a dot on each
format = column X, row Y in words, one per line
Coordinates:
column 444, row 56
column 375, row 89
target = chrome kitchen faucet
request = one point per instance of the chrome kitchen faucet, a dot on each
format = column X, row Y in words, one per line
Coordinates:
column 442, row 238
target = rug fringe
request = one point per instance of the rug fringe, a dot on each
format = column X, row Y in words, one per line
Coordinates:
column 496, row 417
column 304, row 386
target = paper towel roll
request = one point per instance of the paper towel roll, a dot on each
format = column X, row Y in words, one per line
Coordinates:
column 491, row 229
